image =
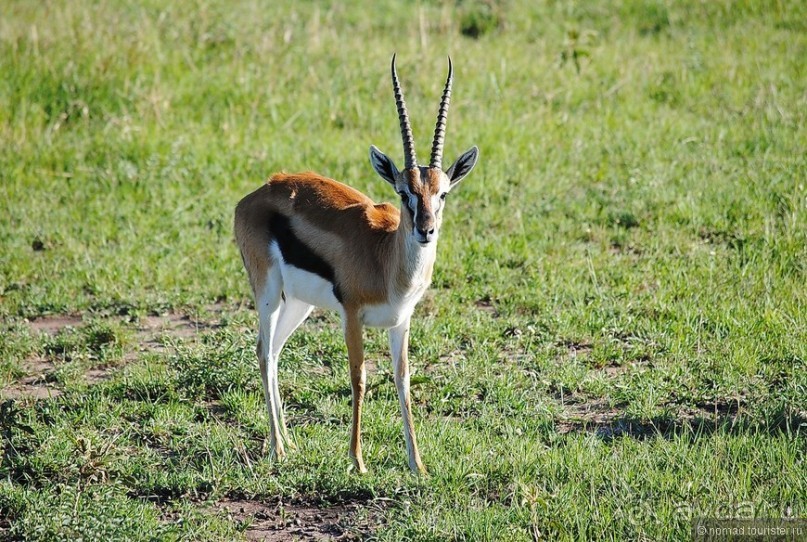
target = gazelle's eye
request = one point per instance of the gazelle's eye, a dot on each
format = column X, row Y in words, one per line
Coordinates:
column 443, row 195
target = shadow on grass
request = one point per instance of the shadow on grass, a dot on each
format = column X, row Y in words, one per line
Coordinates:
column 779, row 422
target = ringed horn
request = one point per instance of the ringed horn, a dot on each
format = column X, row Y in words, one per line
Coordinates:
column 410, row 160
column 440, row 129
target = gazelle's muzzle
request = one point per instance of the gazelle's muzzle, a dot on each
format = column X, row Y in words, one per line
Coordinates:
column 425, row 226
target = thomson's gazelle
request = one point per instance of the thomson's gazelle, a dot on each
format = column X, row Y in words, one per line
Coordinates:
column 311, row 241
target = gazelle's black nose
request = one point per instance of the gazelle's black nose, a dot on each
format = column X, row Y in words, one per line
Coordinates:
column 424, row 237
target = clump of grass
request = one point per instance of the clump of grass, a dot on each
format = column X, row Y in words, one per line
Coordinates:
column 664, row 89
column 651, row 17
column 576, row 47
column 222, row 365
column 479, row 18
column 97, row 341
column 16, row 345
column 623, row 219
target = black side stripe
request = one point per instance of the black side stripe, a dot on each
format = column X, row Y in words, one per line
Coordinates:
column 296, row 253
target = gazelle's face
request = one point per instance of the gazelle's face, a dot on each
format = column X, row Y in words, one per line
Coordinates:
column 423, row 192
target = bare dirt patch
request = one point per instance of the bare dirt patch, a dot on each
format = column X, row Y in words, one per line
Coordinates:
column 576, row 348
column 612, row 371
column 26, row 390
column 152, row 332
column 151, row 335
column 94, row 376
column 485, row 304
column 52, row 325
column 590, row 415
column 608, row 423
column 35, row 384
column 173, row 324
column 304, row 520
column 447, row 360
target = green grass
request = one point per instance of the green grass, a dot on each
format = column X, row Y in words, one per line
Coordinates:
column 615, row 341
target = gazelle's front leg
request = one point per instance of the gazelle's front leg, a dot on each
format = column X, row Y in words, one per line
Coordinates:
column 358, row 379
column 399, row 346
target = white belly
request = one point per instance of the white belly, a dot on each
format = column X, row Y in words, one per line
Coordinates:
column 304, row 285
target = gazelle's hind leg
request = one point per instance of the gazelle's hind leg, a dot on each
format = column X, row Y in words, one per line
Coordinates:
column 293, row 312
column 267, row 301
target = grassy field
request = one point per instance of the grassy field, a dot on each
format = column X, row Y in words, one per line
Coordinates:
column 615, row 341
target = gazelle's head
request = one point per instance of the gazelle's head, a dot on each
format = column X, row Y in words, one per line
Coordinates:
column 423, row 189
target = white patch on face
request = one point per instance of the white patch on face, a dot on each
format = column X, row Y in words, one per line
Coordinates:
column 437, row 204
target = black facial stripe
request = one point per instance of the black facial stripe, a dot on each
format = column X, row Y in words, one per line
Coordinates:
column 296, row 253
column 405, row 202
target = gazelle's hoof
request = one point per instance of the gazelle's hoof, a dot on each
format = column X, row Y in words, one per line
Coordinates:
column 358, row 466
column 419, row 470
column 278, row 453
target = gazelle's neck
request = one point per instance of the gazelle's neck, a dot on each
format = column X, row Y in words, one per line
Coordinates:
column 414, row 261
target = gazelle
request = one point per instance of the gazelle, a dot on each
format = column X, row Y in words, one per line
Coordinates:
column 311, row 241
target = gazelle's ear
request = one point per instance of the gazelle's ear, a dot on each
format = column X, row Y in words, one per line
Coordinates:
column 463, row 166
column 383, row 165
